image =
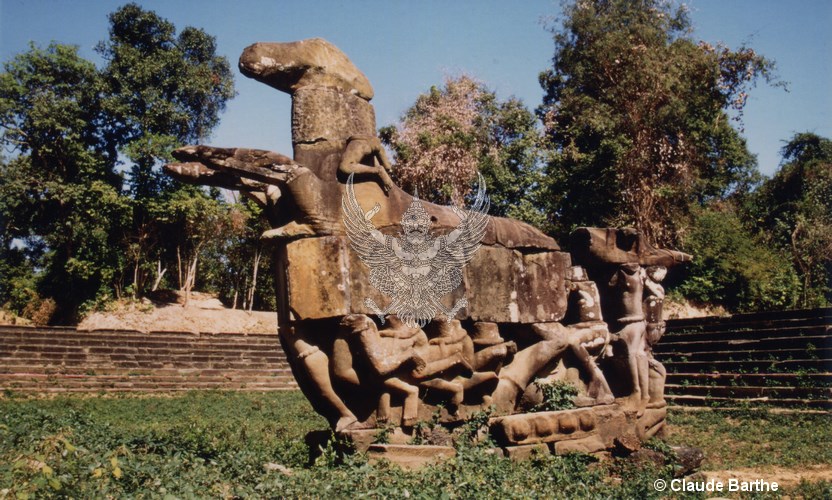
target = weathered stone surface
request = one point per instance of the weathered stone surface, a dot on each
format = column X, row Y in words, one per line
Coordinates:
column 543, row 427
column 499, row 304
column 294, row 65
column 520, row 288
column 323, row 114
column 526, row 451
column 589, row 444
column 627, row 443
column 542, row 286
column 360, row 439
column 367, row 362
column 620, row 246
column 410, row 457
column 611, row 422
column 322, row 261
column 689, row 459
column 652, row 420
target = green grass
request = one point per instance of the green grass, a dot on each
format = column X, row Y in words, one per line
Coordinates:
column 754, row 437
column 215, row 444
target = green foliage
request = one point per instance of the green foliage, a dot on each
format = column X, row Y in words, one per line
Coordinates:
column 475, row 427
column 165, row 90
column 793, row 209
column 61, row 194
column 557, row 395
column 451, row 133
column 635, row 118
column 239, row 266
column 70, row 232
column 733, row 267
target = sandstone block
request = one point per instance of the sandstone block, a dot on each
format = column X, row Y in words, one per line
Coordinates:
column 321, row 115
column 526, row 451
column 294, row 65
column 590, row 444
column 408, row 456
column 326, row 279
column 543, row 427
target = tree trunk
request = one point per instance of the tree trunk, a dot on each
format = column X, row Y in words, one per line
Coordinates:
column 257, row 257
column 159, row 274
column 179, row 268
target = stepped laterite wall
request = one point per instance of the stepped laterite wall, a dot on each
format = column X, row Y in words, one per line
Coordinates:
column 67, row 360
column 776, row 358
column 773, row 358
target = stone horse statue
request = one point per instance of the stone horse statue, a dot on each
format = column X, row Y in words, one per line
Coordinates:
column 531, row 315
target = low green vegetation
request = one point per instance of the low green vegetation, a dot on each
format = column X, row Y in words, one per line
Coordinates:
column 557, row 395
column 218, row 444
column 754, row 437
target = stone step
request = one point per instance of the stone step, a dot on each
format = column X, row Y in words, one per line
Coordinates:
column 166, row 371
column 751, row 391
column 725, row 401
column 768, row 379
column 150, row 355
column 668, row 345
column 795, row 317
column 149, row 390
column 67, row 331
column 253, row 376
column 748, row 355
column 94, row 353
column 140, row 382
column 140, row 342
column 130, row 364
column 141, row 385
column 157, row 350
column 819, row 365
column 165, row 349
column 753, row 334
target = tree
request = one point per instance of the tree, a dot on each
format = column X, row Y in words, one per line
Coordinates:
column 189, row 222
column 635, row 115
column 69, row 124
column 452, row 133
column 165, row 90
column 61, row 193
column 794, row 211
column 242, row 278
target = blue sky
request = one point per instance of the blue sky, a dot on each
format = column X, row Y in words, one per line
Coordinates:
column 405, row 47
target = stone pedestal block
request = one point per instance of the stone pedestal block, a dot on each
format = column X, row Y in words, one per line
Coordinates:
column 326, row 279
column 585, row 430
column 410, row 456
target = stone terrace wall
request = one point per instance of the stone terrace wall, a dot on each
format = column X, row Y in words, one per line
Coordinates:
column 774, row 358
column 47, row 360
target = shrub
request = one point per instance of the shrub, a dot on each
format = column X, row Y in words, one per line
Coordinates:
column 733, row 268
column 40, row 310
column 557, row 395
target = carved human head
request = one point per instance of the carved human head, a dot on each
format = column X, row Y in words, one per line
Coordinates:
column 416, row 221
column 656, row 273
